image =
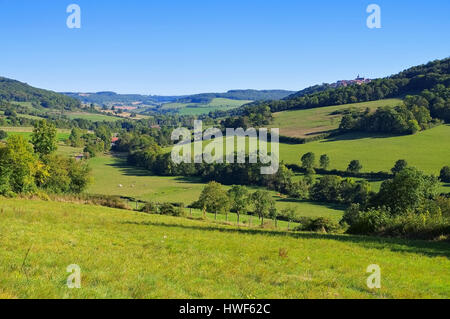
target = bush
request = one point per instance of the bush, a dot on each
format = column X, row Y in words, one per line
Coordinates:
column 320, row 224
column 371, row 222
column 170, row 210
column 150, row 208
column 381, row 222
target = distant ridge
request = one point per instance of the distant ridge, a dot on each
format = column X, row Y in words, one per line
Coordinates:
column 112, row 97
column 16, row 91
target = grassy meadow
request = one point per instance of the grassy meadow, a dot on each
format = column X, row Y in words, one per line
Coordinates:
column 423, row 150
column 92, row 117
column 215, row 104
column 310, row 122
column 26, row 132
column 112, row 176
column 124, row 254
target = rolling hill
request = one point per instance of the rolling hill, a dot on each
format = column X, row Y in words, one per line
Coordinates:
column 411, row 81
column 215, row 104
column 202, row 103
column 15, row 91
column 311, row 122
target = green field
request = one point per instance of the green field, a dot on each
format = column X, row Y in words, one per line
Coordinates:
column 31, row 117
column 26, row 132
column 92, row 117
column 124, row 254
column 204, row 108
column 428, row 150
column 310, row 122
column 113, row 177
column 425, row 150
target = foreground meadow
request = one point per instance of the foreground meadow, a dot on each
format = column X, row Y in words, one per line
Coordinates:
column 124, row 254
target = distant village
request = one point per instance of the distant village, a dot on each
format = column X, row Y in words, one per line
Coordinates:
column 359, row 80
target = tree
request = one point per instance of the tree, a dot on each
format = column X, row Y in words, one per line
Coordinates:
column 10, row 113
column 262, row 201
column 214, row 199
column 399, row 166
column 445, row 174
column 273, row 213
column 308, row 161
column 44, row 138
column 238, row 196
column 104, row 133
column 66, row 175
column 75, row 137
column 324, row 161
column 19, row 166
column 289, row 213
column 354, row 167
column 3, row 135
column 407, row 191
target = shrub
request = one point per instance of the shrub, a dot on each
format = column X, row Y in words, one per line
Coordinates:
column 409, row 225
column 320, row 224
column 170, row 210
column 370, row 222
column 150, row 208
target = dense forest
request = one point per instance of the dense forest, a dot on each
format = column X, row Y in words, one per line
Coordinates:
column 15, row 91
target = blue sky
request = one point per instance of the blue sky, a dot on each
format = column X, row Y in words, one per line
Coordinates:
column 182, row 47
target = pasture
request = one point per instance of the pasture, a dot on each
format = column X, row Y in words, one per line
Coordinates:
column 92, row 117
column 125, row 254
column 26, row 132
column 310, row 122
column 222, row 104
column 425, row 150
column 112, row 176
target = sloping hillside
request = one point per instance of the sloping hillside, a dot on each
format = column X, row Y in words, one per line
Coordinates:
column 411, row 81
column 15, row 91
column 311, row 122
column 124, row 254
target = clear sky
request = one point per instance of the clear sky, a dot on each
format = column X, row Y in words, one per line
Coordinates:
column 191, row 46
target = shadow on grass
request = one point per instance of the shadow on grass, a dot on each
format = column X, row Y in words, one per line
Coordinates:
column 299, row 201
column 427, row 248
column 357, row 136
column 128, row 170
